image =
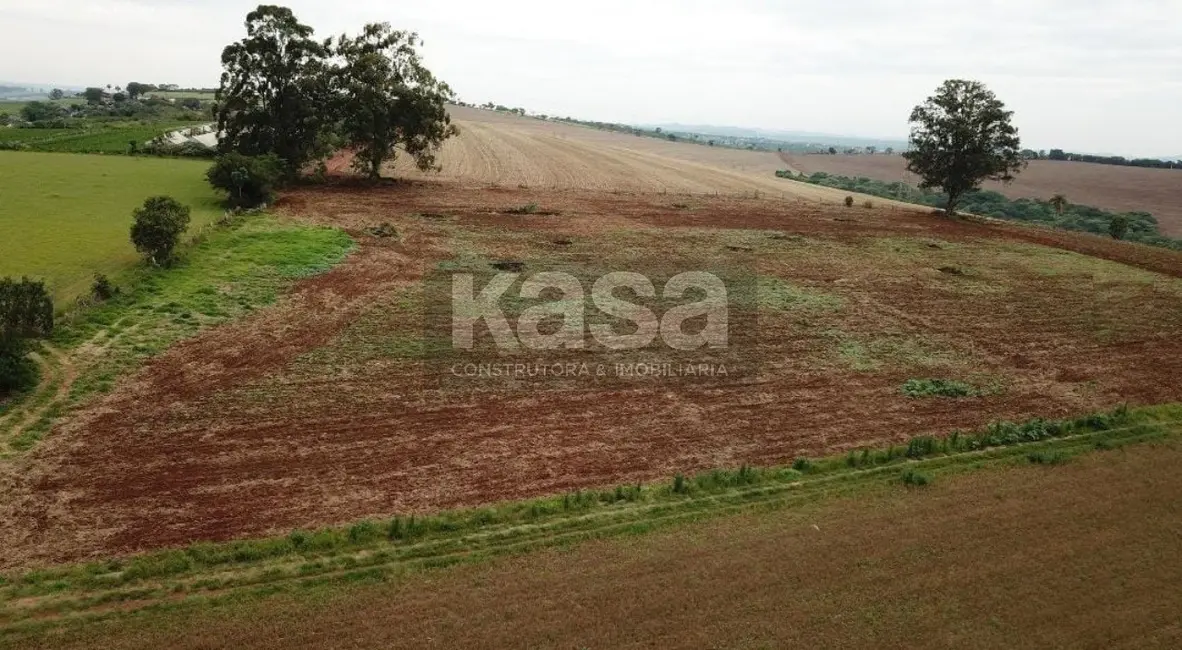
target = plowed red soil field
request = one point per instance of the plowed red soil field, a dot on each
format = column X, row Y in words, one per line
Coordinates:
column 313, row 411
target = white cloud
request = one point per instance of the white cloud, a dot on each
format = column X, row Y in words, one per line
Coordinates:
column 1096, row 76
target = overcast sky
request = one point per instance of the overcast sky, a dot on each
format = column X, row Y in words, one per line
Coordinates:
column 1084, row 75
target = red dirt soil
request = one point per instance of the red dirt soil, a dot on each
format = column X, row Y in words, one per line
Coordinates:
column 223, row 436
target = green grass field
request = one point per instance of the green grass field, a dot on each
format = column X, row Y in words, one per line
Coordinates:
column 66, row 216
column 102, row 137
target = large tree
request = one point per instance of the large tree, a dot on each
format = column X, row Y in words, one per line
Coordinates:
column 274, row 95
column 960, row 137
column 388, row 99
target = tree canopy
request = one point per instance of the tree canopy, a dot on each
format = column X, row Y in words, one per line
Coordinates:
column 960, row 137
column 285, row 93
column 157, row 228
column 389, row 99
column 274, row 95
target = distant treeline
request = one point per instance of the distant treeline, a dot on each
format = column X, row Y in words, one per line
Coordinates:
column 1059, row 154
column 1142, row 226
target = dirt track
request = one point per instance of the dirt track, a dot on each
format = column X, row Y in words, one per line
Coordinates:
column 1112, row 187
column 295, row 417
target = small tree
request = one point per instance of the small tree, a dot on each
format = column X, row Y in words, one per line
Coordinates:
column 1119, row 226
column 1059, row 203
column 26, row 312
column 94, row 95
column 56, row 94
column 249, row 181
column 157, row 228
column 961, row 136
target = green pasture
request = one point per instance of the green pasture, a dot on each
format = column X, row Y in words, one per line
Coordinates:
column 64, row 217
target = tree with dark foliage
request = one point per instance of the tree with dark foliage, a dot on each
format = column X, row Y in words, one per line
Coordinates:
column 157, row 228
column 274, row 95
column 26, row 312
column 388, row 99
column 960, row 137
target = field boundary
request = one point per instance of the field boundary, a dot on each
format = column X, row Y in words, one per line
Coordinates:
column 210, row 573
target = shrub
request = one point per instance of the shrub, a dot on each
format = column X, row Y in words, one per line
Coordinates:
column 915, row 478
column 157, row 228
column 938, row 388
column 26, row 312
column 802, row 464
column 249, row 181
column 1047, row 457
column 103, row 288
column 17, row 370
column 1118, row 226
column 530, row 208
column 849, row 201
column 868, row 204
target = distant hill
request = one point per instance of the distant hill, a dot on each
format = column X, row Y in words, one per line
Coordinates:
column 787, row 136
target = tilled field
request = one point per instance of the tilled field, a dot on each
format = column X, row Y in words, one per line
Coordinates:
column 317, row 410
column 515, row 152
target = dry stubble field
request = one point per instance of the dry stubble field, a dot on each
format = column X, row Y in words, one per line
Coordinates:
column 1112, row 187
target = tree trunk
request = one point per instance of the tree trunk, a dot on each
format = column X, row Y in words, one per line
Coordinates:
column 950, row 209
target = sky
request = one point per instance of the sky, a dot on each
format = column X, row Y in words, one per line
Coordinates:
column 1094, row 76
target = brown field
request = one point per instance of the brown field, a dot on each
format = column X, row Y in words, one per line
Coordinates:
column 495, row 149
column 314, row 412
column 1111, row 187
column 970, row 562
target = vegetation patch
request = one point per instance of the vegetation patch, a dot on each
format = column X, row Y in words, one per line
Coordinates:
column 74, row 213
column 939, row 388
column 230, row 272
column 1134, row 226
column 778, row 295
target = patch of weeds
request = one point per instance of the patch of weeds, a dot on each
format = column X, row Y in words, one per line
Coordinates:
column 511, row 266
column 1048, row 457
column 776, row 294
column 915, row 478
column 802, row 464
column 871, row 354
column 939, row 388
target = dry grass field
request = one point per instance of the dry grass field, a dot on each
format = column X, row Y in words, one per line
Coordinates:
column 306, row 400
column 497, row 149
column 1111, row 187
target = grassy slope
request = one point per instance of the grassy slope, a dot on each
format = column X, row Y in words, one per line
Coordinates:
column 1019, row 556
column 230, row 272
column 65, row 217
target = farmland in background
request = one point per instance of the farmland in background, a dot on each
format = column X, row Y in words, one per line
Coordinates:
column 1116, row 188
